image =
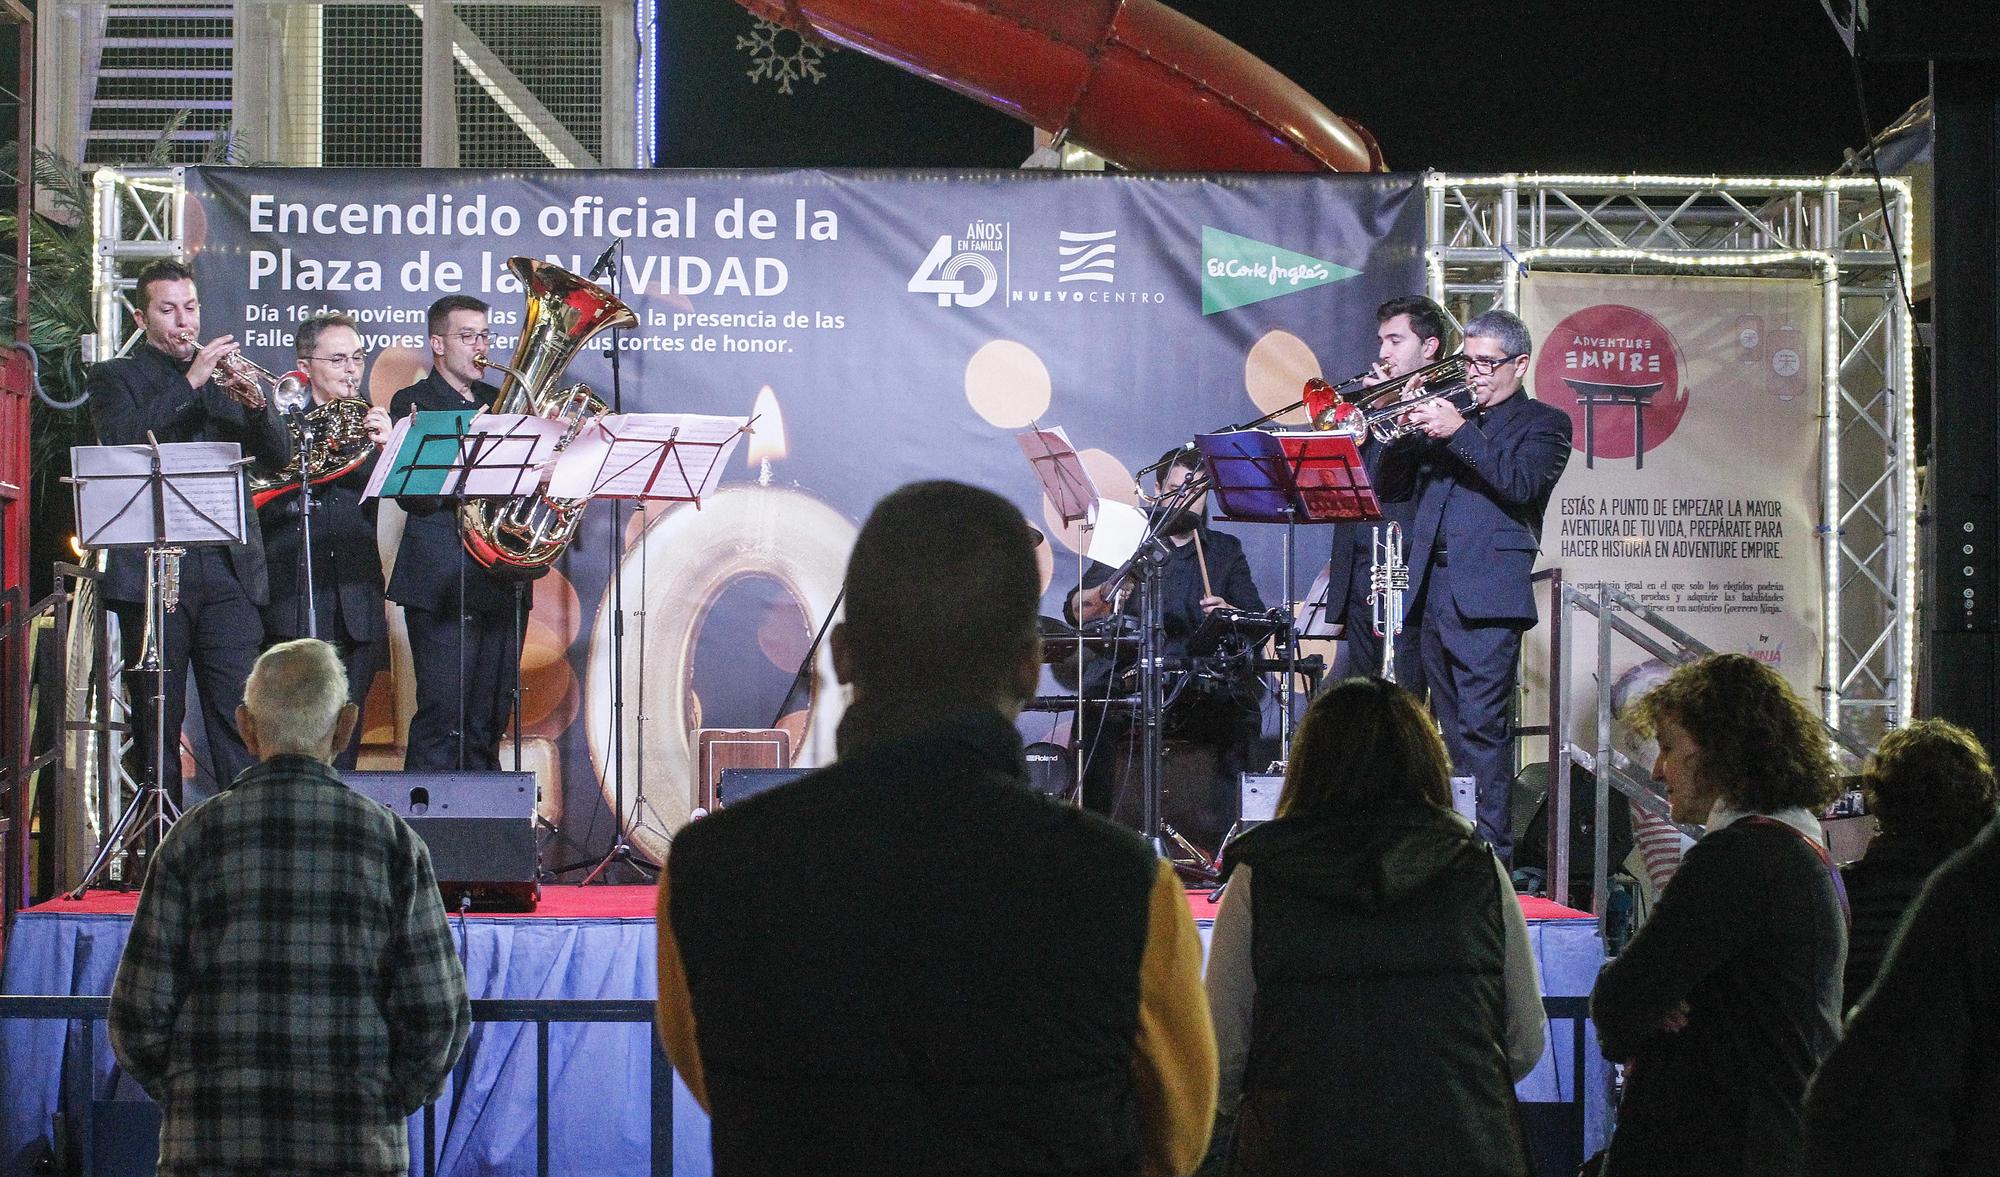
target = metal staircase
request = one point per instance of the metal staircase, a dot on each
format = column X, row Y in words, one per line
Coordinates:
column 144, row 62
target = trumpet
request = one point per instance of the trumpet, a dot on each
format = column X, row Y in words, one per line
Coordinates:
column 250, row 378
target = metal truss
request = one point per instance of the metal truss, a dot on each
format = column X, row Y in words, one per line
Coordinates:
column 1851, row 234
column 136, row 216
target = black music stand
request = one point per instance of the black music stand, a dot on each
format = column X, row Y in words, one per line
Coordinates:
column 165, row 499
column 657, row 457
column 1291, row 478
column 465, row 454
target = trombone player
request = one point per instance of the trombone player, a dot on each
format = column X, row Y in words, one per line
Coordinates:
column 179, row 390
column 342, row 435
column 1410, row 333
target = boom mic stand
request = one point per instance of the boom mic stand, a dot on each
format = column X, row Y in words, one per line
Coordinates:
column 621, row 846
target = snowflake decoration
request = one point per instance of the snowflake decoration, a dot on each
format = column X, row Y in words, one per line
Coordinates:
column 780, row 55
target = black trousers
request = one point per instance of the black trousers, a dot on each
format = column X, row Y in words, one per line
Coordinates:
column 216, row 631
column 1470, row 666
column 439, row 738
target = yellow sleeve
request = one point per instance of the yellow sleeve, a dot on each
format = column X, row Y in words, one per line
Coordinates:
column 674, row 1011
column 1174, row 1067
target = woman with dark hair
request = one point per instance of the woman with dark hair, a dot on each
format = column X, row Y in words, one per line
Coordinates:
column 1729, row 995
column 1374, row 994
column 1931, row 789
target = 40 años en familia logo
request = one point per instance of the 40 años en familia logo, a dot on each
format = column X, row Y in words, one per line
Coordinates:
column 962, row 272
column 1237, row 271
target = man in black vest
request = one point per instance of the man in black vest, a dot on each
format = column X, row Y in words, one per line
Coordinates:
column 909, row 962
column 1476, row 487
column 346, row 595
column 169, row 386
column 439, row 584
column 1409, row 333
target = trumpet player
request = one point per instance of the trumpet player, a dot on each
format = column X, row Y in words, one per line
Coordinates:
column 1409, row 333
column 1475, row 487
column 179, row 390
column 343, row 605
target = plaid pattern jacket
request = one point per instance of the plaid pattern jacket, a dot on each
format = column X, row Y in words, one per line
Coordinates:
column 290, row 993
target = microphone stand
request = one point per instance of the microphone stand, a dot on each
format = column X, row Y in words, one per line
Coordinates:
column 302, row 423
column 621, row 846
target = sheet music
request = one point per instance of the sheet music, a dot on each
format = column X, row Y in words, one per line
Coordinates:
column 628, row 456
column 1116, row 533
column 1069, row 487
column 203, row 497
column 506, row 456
column 392, row 452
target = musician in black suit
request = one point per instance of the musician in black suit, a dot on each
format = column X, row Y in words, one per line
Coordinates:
column 1204, row 570
column 1409, row 333
column 438, row 583
column 175, row 389
column 1477, row 487
column 346, row 600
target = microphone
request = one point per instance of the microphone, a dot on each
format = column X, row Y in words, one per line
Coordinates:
column 290, row 396
column 602, row 266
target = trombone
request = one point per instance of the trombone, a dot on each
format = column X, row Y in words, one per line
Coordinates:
column 1380, row 409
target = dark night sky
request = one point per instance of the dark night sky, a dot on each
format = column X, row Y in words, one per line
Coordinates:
column 1745, row 86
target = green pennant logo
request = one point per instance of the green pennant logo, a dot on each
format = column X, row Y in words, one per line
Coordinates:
column 1237, row 271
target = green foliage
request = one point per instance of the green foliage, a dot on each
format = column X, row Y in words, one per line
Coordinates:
column 61, row 267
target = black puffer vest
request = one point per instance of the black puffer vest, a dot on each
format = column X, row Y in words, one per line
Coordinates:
column 1377, row 1039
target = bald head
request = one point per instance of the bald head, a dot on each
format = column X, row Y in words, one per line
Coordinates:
column 296, row 702
column 942, row 595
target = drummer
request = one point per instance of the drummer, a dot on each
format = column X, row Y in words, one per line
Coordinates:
column 1205, row 570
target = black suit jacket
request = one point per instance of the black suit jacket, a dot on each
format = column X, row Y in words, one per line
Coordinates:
column 1480, row 495
column 347, row 563
column 432, row 553
column 147, row 392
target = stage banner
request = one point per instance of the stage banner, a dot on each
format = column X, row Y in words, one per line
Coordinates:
column 881, row 326
column 1694, row 481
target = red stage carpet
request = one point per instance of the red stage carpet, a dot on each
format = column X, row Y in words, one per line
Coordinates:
column 567, row 902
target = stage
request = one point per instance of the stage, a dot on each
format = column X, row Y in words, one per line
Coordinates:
column 595, row 942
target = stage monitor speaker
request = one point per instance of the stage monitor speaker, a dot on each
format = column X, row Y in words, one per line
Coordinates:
column 479, row 826
column 720, row 748
column 740, row 784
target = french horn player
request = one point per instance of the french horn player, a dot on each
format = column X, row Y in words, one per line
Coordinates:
column 330, row 588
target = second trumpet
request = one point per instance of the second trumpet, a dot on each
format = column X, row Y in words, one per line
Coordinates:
column 251, row 378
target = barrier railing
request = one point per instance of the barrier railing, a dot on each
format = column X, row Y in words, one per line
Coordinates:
column 1618, row 615
column 542, row 1012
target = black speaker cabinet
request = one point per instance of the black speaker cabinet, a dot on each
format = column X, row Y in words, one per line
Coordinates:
column 738, row 784
column 479, row 826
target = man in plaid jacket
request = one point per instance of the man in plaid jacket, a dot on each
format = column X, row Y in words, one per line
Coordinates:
column 289, row 993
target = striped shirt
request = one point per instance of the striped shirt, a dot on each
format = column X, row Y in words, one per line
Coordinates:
column 289, row 993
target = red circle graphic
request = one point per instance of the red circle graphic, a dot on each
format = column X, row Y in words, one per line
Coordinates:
column 1616, row 371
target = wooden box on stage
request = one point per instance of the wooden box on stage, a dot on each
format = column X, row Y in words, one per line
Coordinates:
column 718, row 748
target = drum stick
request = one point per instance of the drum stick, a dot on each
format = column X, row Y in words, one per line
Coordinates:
column 1201, row 558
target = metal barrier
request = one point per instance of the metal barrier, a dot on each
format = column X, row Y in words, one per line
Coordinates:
column 545, row 1011
column 541, row 1011
column 1621, row 615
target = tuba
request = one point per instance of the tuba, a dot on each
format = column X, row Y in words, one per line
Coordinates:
column 339, row 444
column 526, row 534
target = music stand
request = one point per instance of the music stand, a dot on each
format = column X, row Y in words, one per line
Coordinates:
column 165, row 499
column 1072, row 494
column 1290, row 477
column 660, row 457
column 463, row 454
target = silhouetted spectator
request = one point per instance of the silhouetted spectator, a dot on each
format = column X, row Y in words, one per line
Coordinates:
column 1931, row 788
column 1914, row 1088
column 1375, row 995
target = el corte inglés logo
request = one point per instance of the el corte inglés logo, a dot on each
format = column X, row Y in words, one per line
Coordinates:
column 1238, row 271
